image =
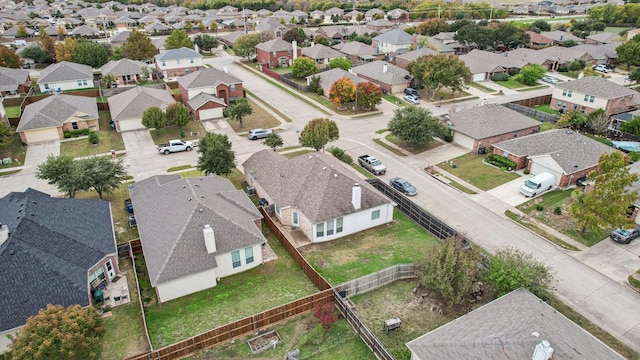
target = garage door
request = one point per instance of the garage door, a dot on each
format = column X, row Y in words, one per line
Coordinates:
column 537, row 168
column 42, row 135
column 479, row 77
column 130, row 124
column 463, row 140
column 210, row 113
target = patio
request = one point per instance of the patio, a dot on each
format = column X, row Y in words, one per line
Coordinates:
column 117, row 292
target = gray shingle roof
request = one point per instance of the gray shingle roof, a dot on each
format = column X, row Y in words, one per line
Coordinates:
column 489, row 120
column 597, row 86
column 202, row 98
column 53, row 242
column 10, row 79
column 376, row 70
column 567, row 148
column 122, row 67
column 276, row 44
column 479, row 61
column 395, row 36
column 132, row 103
column 207, row 77
column 319, row 51
column 503, row 328
column 84, row 30
column 120, row 37
column 317, row 184
column 327, row 78
column 174, row 54
column 54, row 110
column 558, row 35
column 355, row 48
column 415, row 54
column 65, row 71
column 171, row 213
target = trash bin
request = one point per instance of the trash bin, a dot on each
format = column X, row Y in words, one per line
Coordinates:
column 98, row 296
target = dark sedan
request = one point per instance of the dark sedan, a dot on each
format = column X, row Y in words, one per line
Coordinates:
column 403, row 186
column 624, row 236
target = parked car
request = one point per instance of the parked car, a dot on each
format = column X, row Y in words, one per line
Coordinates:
column 550, row 80
column 412, row 99
column 175, row 146
column 26, row 65
column 128, row 206
column 258, row 134
column 624, row 236
column 410, row 91
column 403, row 186
column 603, row 69
column 609, row 66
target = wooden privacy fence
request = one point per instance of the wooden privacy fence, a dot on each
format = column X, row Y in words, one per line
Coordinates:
column 534, row 101
column 270, row 72
column 533, row 113
column 378, row 279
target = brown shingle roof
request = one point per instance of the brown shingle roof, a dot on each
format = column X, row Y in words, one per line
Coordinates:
column 597, row 86
column 489, row 120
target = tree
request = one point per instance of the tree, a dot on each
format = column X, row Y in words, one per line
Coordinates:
column 510, row 36
column 318, row 133
column 606, row 203
column 273, row 141
column 303, row 67
column 629, row 52
column 101, row 174
column 108, row 79
column 36, row 54
column 314, row 85
column 439, row 71
column 61, row 172
column 6, row 132
column 154, row 118
column 65, row 49
column 239, row 109
column 90, row 53
column 598, row 121
column 573, row 119
column 326, row 314
column 599, row 26
column 632, row 126
column 177, row 114
column 368, row 94
column 59, row 333
column 530, row 74
column 178, row 39
column 8, row 58
column 216, row 156
column 569, row 43
column 511, row 269
column 21, row 32
column 577, row 65
column 416, row 125
column 322, row 40
column 265, row 36
column 138, row 46
column 295, row 34
column 47, row 44
column 542, row 25
column 635, row 75
column 206, row 42
column 472, row 34
column 341, row 63
column 342, row 90
column 93, row 138
column 245, row 45
column 450, row 270
column 432, row 27
column 117, row 54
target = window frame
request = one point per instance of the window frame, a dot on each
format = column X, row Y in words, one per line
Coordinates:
column 248, row 259
column 330, row 227
column 236, row 255
column 339, row 225
column 375, row 214
column 320, row 233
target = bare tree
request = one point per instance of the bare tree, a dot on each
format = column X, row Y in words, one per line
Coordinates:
column 598, row 121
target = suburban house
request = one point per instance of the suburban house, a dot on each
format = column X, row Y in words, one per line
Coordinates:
column 530, row 56
column 127, row 107
column 126, row 71
column 482, row 126
column 277, row 52
column 562, row 56
column 566, row 154
column 208, row 92
column 65, row 75
column 390, row 78
column 592, row 93
column 178, row 62
column 491, row 332
column 602, row 38
column 52, row 251
column 317, row 194
column 392, row 42
column 559, row 37
column 358, row 52
column 49, row 118
column 195, row 231
column 403, row 60
column 537, row 41
column 327, row 78
column 484, row 64
column 321, row 54
column 14, row 81
column 600, row 53
column 118, row 39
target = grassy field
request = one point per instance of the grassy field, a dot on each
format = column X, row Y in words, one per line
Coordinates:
column 471, row 169
column 109, row 139
column 414, row 149
column 547, row 108
column 283, row 116
column 389, row 147
column 401, row 242
column 193, row 131
column 547, row 126
column 12, row 111
column 482, row 87
column 13, row 149
column 259, row 119
column 512, row 84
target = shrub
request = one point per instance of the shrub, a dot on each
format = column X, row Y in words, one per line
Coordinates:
column 76, row 133
column 500, row 77
column 526, row 171
column 340, row 154
column 563, row 68
column 539, row 207
column 67, row 134
column 448, row 137
column 557, row 210
column 514, row 72
column 93, row 138
column 634, row 156
column 501, row 162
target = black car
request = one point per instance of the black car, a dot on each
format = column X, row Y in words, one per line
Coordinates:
column 624, row 236
column 403, row 186
column 413, row 92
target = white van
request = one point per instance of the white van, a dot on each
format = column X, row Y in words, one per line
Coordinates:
column 538, row 184
column 18, row 42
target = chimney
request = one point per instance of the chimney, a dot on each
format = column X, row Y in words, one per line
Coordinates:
column 543, row 351
column 295, row 49
column 385, row 67
column 209, row 239
column 4, row 233
column 356, row 196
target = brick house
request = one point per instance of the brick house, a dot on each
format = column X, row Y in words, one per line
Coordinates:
column 482, row 126
column 14, row 81
column 208, row 92
column 277, row 52
column 592, row 93
column 389, row 77
column 178, row 62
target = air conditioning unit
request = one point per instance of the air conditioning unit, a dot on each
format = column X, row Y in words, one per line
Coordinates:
column 251, row 190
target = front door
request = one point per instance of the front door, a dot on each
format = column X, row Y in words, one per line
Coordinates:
column 110, row 271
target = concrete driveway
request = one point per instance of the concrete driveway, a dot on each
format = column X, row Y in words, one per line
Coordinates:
column 37, row 154
column 138, row 142
column 510, row 192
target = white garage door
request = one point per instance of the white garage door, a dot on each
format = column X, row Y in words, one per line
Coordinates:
column 479, row 77
column 130, row 124
column 210, row 113
column 41, row 135
column 463, row 140
column 537, row 168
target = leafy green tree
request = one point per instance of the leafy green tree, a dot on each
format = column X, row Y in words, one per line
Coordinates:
column 473, row 34
column 303, row 67
column 177, row 114
column 318, row 133
column 598, row 121
column 635, row 75
column 90, row 53
column 368, row 94
column 450, row 271
column 599, row 26
column 606, row 203
column 245, row 46
column 206, row 42
column 432, row 27
column 542, row 25
column 117, row 54
column 36, row 54
column 102, row 174
column 138, row 46
column 511, row 269
column 21, row 32
column 6, row 132
column 265, row 36
column 314, row 85
column 295, row 33
column 47, row 44
column 93, row 138
column 577, row 65
column 570, row 43
column 8, row 58
column 108, row 79
column 216, row 156
column 178, row 39
column 61, row 172
column 322, row 40
column 342, row 90
column 510, row 36
column 632, row 126
column 59, row 333
column 629, row 52
column 65, row 49
column 239, row 109
column 273, row 141
column 572, row 119
column 341, row 63
column 530, row 74
column 439, row 71
column 416, row 125
column 154, row 118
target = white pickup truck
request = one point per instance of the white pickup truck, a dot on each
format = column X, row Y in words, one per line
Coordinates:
column 372, row 164
column 175, row 146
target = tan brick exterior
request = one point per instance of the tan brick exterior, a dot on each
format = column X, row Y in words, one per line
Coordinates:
column 68, row 126
column 613, row 106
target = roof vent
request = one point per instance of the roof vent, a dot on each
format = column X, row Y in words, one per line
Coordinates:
column 356, row 196
column 569, row 132
column 543, row 351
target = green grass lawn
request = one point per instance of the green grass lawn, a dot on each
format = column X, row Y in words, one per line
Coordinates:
column 13, row 149
column 598, row 139
column 193, row 131
column 547, row 126
column 12, row 111
column 547, row 108
column 394, row 100
column 401, row 242
column 389, row 147
column 109, row 139
column 471, row 169
column 291, row 155
column 260, row 118
column 512, row 84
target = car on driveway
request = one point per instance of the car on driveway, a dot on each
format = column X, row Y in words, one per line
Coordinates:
column 603, row 69
column 258, row 134
column 624, row 236
column 403, row 186
column 410, row 91
column 550, row 80
column 412, row 99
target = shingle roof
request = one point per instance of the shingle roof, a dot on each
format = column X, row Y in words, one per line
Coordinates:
column 207, row 77
column 202, row 98
column 65, row 71
column 84, row 30
column 10, row 79
column 132, row 103
column 355, row 48
column 171, row 213
column 376, row 70
column 120, row 37
column 317, row 184
column 319, row 51
column 597, row 86
column 567, row 148
column 53, row 242
column 503, row 329
column 604, row 37
column 395, row 36
column 122, row 67
column 599, row 51
column 558, row 35
column 489, row 120
column 415, row 54
column 562, row 53
column 56, row 109
column 480, row 61
column 174, row 54
column 327, row 78
column 276, row 44
column 536, row 38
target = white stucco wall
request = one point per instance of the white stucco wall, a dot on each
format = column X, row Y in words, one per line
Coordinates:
column 179, row 63
column 186, row 285
column 66, row 85
column 225, row 264
column 356, row 222
column 578, row 99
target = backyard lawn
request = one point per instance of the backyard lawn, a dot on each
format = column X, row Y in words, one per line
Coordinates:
column 12, row 111
column 547, row 108
column 512, row 84
column 193, row 131
column 109, row 140
column 259, row 119
column 401, row 242
column 470, row 168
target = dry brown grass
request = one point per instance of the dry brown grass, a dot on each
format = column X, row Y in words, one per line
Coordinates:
column 259, row 119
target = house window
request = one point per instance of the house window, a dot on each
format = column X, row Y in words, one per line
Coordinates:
column 591, row 98
column 233, row 87
column 164, row 63
column 569, row 93
column 191, row 60
column 375, row 214
column 74, row 125
column 278, row 210
column 235, row 259
column 564, row 92
column 338, row 225
column 586, row 98
column 515, row 134
column 320, row 230
column 248, row 254
column 79, row 82
column 329, row 227
column 46, row 86
column 178, row 61
column 294, row 218
column 84, row 82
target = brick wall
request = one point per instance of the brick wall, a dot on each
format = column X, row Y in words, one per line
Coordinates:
column 480, row 143
column 521, row 161
column 209, row 105
column 271, row 60
column 182, row 71
column 619, row 105
column 68, row 126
